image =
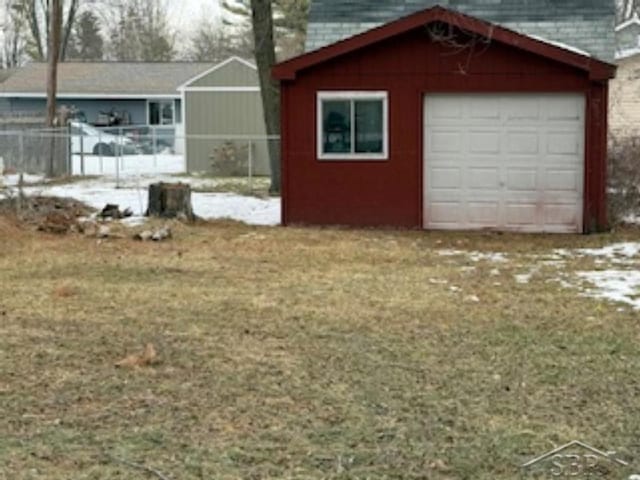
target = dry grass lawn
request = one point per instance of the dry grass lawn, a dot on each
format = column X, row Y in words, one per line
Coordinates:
column 304, row 354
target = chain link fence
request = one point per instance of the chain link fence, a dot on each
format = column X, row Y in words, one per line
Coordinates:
column 118, row 152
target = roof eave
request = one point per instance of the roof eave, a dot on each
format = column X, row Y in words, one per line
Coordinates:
column 597, row 69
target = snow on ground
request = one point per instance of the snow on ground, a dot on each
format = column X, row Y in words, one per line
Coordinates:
column 474, row 256
column 127, row 165
column 621, row 286
column 132, row 193
column 608, row 281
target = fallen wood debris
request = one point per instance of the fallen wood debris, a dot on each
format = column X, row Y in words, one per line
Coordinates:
column 156, row 235
column 148, row 357
column 112, row 210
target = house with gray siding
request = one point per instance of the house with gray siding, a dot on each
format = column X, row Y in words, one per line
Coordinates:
column 141, row 93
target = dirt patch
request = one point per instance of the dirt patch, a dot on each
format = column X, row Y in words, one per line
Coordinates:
column 48, row 214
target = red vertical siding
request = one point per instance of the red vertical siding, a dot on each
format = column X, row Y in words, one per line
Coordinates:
column 377, row 193
column 596, row 159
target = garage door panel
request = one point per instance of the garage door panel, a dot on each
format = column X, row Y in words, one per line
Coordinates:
column 559, row 214
column 443, row 178
column 509, row 161
column 527, row 143
column 483, row 213
column 562, row 180
column 446, row 213
column 563, row 143
column 527, row 109
column 484, row 109
column 446, row 141
column 483, row 178
column 521, row 214
column 484, row 142
column 564, row 109
column 522, row 179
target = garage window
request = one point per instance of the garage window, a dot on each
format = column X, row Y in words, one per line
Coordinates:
column 352, row 126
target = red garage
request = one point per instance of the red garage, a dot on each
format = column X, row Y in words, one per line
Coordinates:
column 439, row 120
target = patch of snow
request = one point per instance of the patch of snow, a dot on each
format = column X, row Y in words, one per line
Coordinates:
column 523, row 277
column 446, row 252
column 621, row 286
column 488, row 256
column 97, row 193
column 474, row 255
column 128, row 165
column 620, row 253
column 13, row 179
column 624, row 249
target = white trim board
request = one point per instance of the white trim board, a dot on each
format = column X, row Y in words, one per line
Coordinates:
column 221, row 89
column 217, row 67
column 89, row 96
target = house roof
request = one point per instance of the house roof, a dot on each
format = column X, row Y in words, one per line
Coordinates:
column 634, row 20
column 597, row 69
column 218, row 66
column 104, row 79
column 585, row 24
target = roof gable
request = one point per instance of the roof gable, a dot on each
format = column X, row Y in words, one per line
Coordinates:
column 232, row 72
column 564, row 54
column 631, row 22
column 107, row 79
column 585, row 24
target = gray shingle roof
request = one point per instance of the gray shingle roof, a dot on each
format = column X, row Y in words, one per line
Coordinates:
column 105, row 78
column 584, row 24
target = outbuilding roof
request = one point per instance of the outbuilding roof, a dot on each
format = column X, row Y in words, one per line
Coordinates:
column 597, row 69
column 104, row 79
column 584, row 24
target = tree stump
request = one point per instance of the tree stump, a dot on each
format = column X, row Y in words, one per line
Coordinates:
column 170, row 200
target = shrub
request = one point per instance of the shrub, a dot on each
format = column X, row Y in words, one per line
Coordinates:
column 230, row 159
column 624, row 179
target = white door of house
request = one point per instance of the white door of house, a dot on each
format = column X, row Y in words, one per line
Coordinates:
column 505, row 162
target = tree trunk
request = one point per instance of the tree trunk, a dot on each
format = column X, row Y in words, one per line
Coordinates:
column 170, row 200
column 262, row 18
column 55, row 19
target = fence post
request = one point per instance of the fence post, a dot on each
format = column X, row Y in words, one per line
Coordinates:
column 250, row 165
column 100, row 152
column 21, row 150
column 116, row 159
column 154, row 146
column 81, row 155
column 121, row 142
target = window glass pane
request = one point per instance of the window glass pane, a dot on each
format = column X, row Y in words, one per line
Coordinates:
column 154, row 113
column 369, row 134
column 167, row 113
column 336, row 126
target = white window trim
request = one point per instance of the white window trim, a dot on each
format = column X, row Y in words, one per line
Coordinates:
column 173, row 111
column 353, row 95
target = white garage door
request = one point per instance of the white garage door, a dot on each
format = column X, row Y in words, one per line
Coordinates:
column 506, row 162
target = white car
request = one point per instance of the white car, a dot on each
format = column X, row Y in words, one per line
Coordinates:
column 89, row 140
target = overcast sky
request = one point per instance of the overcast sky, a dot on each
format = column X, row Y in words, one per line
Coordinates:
column 185, row 15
